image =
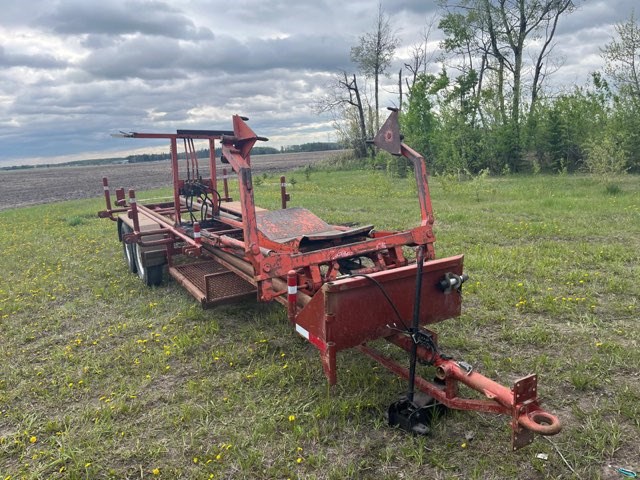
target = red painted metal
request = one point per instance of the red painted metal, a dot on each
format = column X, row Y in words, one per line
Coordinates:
column 292, row 294
column 225, row 178
column 284, row 196
column 342, row 286
column 120, row 200
column 196, row 233
column 107, row 195
column 134, row 211
column 176, row 181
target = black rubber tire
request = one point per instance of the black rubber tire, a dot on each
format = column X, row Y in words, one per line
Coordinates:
column 128, row 249
column 150, row 276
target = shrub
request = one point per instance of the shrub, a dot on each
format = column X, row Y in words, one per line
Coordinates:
column 605, row 157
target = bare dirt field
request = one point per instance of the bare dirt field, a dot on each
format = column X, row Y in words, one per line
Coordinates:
column 20, row 188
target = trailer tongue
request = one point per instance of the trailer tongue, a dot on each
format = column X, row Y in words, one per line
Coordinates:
column 343, row 287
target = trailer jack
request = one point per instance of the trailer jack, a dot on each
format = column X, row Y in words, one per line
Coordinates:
column 520, row 402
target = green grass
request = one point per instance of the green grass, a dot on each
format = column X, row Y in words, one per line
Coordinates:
column 101, row 377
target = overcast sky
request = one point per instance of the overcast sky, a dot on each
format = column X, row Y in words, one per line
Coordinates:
column 74, row 71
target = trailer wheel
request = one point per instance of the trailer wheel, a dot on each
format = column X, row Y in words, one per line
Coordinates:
column 151, row 276
column 127, row 248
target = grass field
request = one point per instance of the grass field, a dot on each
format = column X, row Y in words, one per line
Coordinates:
column 101, row 377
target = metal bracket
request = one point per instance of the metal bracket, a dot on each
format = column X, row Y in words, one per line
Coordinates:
column 525, row 393
column 389, row 138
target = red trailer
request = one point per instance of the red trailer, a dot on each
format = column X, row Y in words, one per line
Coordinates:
column 343, row 287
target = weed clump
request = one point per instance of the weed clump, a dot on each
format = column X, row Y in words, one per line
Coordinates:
column 75, row 221
column 613, row 189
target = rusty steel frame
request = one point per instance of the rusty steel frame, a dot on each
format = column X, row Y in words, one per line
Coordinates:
column 304, row 271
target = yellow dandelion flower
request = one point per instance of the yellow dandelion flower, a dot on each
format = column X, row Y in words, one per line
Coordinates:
column 156, row 471
column 33, row 439
column 195, row 460
column 292, row 418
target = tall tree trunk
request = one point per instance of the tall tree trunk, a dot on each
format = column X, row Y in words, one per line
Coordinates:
column 400, row 89
column 517, row 88
column 363, row 129
column 478, row 93
column 377, row 115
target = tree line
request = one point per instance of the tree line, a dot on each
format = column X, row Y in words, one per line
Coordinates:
column 258, row 150
column 490, row 107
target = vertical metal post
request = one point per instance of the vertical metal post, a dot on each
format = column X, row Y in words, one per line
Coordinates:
column 120, row 201
column 107, row 195
column 292, row 295
column 283, row 192
column 196, row 233
column 226, row 183
column 176, row 181
column 134, row 211
column 213, row 178
column 212, row 164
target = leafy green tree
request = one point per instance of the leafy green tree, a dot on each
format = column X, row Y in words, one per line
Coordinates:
column 622, row 65
column 622, row 58
column 510, row 38
column 459, row 138
column 559, row 131
column 419, row 122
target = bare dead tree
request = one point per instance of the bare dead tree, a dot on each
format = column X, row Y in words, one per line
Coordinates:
column 420, row 55
column 400, row 88
column 502, row 32
column 374, row 53
column 344, row 93
column 622, row 57
column 467, row 48
column 512, row 24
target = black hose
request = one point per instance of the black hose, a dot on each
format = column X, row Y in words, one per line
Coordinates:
column 415, row 325
column 384, row 292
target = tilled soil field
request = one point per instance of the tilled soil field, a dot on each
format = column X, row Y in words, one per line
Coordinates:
column 20, row 188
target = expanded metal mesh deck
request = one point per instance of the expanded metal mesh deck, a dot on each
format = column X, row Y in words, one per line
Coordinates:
column 212, row 283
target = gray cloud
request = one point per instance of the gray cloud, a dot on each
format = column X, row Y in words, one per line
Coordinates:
column 37, row 60
column 149, row 58
column 151, row 17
